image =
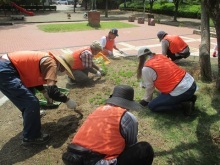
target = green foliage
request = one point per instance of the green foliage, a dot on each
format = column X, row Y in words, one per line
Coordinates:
column 185, row 9
column 101, row 63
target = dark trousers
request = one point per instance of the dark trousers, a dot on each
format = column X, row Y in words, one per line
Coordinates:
column 140, row 153
column 173, row 57
column 12, row 87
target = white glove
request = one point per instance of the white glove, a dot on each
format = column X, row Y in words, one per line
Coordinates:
column 49, row 100
column 71, row 104
column 98, row 74
column 101, row 71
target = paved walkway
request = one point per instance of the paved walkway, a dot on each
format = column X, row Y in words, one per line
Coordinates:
column 25, row 35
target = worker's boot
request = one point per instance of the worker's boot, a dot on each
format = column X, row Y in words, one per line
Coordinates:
column 189, row 106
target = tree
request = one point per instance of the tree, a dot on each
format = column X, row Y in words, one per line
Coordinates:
column 176, row 4
column 212, row 7
column 106, row 8
column 204, row 49
column 151, row 2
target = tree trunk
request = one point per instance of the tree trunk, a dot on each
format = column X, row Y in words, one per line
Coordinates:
column 217, row 28
column 204, row 49
column 106, row 8
column 176, row 11
column 151, row 6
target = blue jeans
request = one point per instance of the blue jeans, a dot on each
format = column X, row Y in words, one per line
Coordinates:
column 166, row 102
column 12, row 87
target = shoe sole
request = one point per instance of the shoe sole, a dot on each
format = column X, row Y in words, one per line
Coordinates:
column 34, row 143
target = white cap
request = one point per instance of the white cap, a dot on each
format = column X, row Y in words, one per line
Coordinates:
column 144, row 51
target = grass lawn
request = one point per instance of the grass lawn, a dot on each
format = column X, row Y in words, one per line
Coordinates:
column 68, row 27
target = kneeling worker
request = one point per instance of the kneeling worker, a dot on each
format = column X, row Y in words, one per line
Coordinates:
column 173, row 46
column 83, row 64
column 109, row 135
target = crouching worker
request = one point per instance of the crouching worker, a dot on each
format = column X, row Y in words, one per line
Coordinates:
column 173, row 46
column 22, row 70
column 109, row 135
column 83, row 64
column 176, row 86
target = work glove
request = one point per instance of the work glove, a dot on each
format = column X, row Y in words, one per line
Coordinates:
column 49, row 100
column 98, row 74
column 144, row 103
column 55, row 94
column 71, row 104
column 101, row 71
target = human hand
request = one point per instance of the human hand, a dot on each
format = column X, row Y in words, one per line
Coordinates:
column 144, row 103
column 71, row 104
column 98, row 74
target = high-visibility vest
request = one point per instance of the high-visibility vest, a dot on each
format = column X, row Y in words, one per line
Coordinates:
column 176, row 44
column 101, row 132
column 77, row 63
column 109, row 44
column 169, row 75
column 27, row 64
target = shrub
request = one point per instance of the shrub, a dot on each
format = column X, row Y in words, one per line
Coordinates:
column 185, row 10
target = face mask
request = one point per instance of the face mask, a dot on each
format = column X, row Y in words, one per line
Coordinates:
column 149, row 57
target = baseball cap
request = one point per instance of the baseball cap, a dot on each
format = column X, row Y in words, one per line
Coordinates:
column 144, row 51
column 114, row 31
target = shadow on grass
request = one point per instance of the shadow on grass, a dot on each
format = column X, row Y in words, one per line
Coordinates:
column 13, row 152
column 205, row 147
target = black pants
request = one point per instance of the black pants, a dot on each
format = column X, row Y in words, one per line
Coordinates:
column 173, row 57
column 77, row 155
column 139, row 154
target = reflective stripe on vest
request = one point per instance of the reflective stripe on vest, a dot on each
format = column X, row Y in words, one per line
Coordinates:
column 101, row 132
column 78, row 65
column 176, row 44
column 168, row 73
column 27, row 64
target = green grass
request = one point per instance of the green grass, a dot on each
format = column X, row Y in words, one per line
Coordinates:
column 68, row 27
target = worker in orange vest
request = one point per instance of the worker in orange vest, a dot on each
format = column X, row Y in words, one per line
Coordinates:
column 83, row 64
column 108, row 43
column 176, row 86
column 20, row 71
column 173, row 46
column 109, row 135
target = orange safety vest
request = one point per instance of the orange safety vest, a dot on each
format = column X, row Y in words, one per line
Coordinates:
column 101, row 132
column 78, row 65
column 27, row 64
column 169, row 75
column 109, row 44
column 176, row 44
